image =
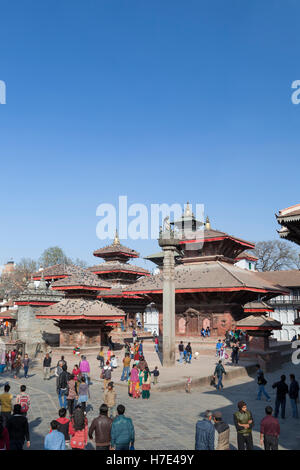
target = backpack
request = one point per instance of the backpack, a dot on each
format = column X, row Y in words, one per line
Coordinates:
column 24, row 399
column 77, row 441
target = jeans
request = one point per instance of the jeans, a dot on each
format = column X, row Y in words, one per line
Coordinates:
column 125, row 373
column 86, row 375
column 156, row 348
column 112, row 411
column 62, row 394
column 219, row 384
column 294, row 407
column 278, row 404
column 181, row 357
column 270, row 442
column 261, row 389
column 26, row 371
column 16, row 445
column 244, row 440
column 47, row 373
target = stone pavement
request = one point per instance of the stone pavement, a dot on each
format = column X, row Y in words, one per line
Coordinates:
column 166, row 421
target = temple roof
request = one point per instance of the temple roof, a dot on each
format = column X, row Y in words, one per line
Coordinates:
column 209, row 234
column 259, row 321
column 82, row 280
column 289, row 219
column 58, row 271
column 117, row 266
column 248, row 256
column 158, row 258
column 257, row 306
column 288, row 278
column 292, row 212
column 10, row 314
column 78, row 308
column 214, row 275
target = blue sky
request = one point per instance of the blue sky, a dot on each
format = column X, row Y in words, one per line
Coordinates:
column 161, row 100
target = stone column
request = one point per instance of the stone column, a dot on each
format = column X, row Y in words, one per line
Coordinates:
column 168, row 244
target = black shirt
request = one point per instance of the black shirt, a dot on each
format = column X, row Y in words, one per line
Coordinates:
column 47, row 362
column 18, row 429
column 282, row 389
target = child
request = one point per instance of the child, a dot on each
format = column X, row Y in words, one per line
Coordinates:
column 155, row 373
column 84, row 394
column 25, row 363
column 109, row 399
column 23, row 399
column 63, row 424
column 188, row 385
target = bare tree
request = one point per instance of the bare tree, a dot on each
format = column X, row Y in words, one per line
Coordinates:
column 275, row 255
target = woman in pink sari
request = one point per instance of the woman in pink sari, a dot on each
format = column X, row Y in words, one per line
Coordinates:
column 134, row 379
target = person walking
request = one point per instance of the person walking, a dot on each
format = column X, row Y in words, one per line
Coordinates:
column 106, row 375
column 281, row 391
column 146, row 385
column 181, row 351
column 156, row 343
column 54, row 440
column 126, row 367
column 219, row 345
column 205, row 433
column 222, row 430
column 17, row 366
column 23, row 399
column 155, row 374
column 219, row 372
column 6, row 403
column 78, row 429
column 243, row 421
column 134, row 380
column 25, row 364
column 83, row 394
column 122, row 431
column 85, row 369
column 46, row 366
column 77, row 377
column 235, row 354
column 101, row 357
column 18, row 429
column 261, row 382
column 109, row 398
column 72, row 394
column 269, row 430
column 62, row 387
column 188, row 353
column 101, row 427
column 293, row 394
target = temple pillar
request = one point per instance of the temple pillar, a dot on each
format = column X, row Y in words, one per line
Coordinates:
column 168, row 245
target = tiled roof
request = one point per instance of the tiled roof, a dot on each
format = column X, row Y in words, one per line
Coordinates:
column 118, row 266
column 80, row 307
column 115, row 249
column 261, row 321
column 83, row 279
column 206, row 275
column 288, row 278
column 257, row 306
column 58, row 270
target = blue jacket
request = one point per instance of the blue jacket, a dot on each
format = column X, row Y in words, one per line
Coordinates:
column 122, row 431
column 55, row 440
column 205, row 435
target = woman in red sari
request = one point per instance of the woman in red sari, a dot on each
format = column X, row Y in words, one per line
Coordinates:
column 135, row 382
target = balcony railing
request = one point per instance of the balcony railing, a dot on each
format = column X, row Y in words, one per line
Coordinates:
column 285, row 301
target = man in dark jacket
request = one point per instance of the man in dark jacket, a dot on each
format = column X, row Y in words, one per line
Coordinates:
column 205, row 433
column 122, row 431
column 282, row 390
column 222, row 430
column 18, row 429
column 101, row 426
column 46, row 366
column 293, row 393
column 219, row 371
column 243, row 421
column 62, row 387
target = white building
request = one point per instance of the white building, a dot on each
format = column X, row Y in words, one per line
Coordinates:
column 246, row 261
column 286, row 307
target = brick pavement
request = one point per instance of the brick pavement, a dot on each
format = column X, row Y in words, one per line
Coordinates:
column 167, row 421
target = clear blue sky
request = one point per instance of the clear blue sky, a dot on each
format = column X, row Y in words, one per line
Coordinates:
column 161, row 100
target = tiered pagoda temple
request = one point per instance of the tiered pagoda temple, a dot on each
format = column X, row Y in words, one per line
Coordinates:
column 82, row 319
column 210, row 290
column 289, row 219
column 119, row 273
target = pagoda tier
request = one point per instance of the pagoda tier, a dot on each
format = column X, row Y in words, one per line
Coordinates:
column 57, row 271
column 116, row 270
column 289, row 219
column 85, row 284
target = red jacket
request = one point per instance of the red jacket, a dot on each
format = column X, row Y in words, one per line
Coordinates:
column 78, row 439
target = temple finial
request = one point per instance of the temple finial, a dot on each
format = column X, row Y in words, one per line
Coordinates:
column 187, row 211
column 207, row 223
column 116, row 239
